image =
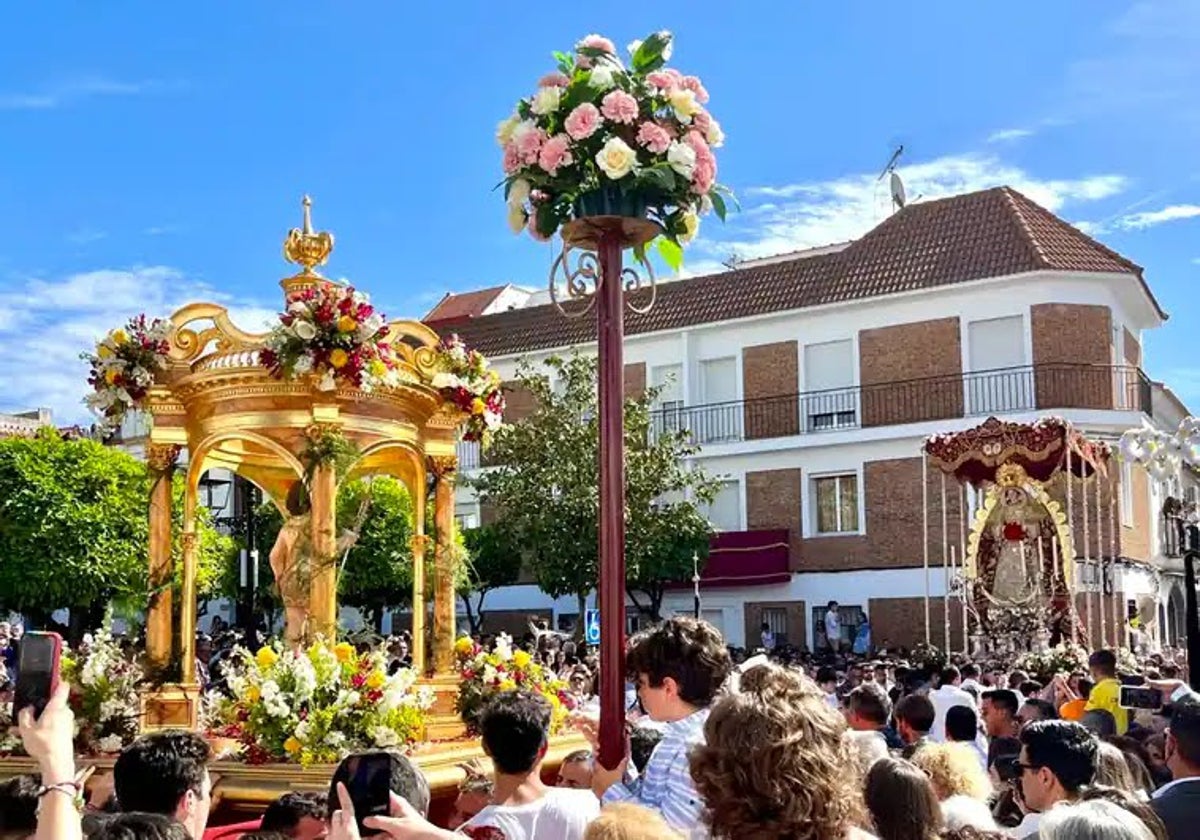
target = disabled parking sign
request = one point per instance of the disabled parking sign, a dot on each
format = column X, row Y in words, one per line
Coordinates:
column 591, row 627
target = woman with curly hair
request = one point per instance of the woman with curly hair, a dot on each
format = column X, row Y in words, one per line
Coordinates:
column 774, row 765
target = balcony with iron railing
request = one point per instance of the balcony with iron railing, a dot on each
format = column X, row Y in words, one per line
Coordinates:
column 1047, row 387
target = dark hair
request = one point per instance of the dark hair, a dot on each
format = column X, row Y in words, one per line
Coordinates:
column 970, row 671
column 917, row 711
column 135, row 825
column 962, row 724
column 869, row 701
column 642, row 742
column 950, row 675
column 901, row 800
column 285, row 813
column 265, row 835
column 407, row 781
column 999, row 748
column 1100, row 722
column 1185, row 729
column 297, row 502
column 18, row 804
column 1003, row 698
column 1046, row 710
column 515, row 728
column 1064, row 748
column 1029, row 688
column 1104, row 661
column 688, row 651
column 153, row 773
column 825, row 674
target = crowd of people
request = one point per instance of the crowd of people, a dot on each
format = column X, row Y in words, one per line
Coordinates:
column 824, row 749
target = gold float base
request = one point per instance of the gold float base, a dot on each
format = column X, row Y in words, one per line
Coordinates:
column 170, row 707
column 444, row 722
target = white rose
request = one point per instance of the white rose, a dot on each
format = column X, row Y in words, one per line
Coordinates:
column 602, row 77
column 517, row 218
column 518, row 191
column 506, row 128
column 546, row 100
column 691, row 224
column 684, row 103
column 303, row 365
column 616, row 159
column 305, row 330
column 715, row 136
column 682, row 158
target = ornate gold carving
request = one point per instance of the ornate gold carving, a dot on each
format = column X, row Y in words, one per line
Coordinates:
column 162, row 456
column 188, row 540
column 419, row 543
column 443, row 466
column 187, row 344
column 1011, row 475
column 304, row 247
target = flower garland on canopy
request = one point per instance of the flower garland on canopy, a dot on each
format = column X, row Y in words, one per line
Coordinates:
column 123, row 367
column 486, row 673
column 331, row 332
column 465, row 379
column 596, row 124
column 318, row 705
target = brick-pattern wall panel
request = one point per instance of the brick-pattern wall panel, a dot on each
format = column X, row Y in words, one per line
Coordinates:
column 1133, row 350
column 1135, row 541
column 770, row 381
column 635, row 380
column 900, row 622
column 773, row 501
column 797, row 632
column 1066, row 338
column 911, row 372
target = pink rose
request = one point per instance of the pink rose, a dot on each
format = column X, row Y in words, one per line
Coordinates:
column 555, row 152
column 661, row 79
column 696, row 140
column 529, row 144
column 533, row 231
column 654, row 137
column 597, row 42
column 583, row 121
column 693, row 84
column 702, row 121
column 704, row 175
column 554, row 80
column 619, row 107
column 512, row 159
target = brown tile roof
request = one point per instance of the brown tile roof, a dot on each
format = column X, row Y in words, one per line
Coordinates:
column 978, row 235
column 466, row 305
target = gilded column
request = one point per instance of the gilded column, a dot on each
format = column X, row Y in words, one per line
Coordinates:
column 322, row 610
column 161, row 459
column 419, row 543
column 187, row 606
column 444, row 468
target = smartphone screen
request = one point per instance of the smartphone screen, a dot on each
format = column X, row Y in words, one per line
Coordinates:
column 1140, row 697
column 37, row 671
column 370, row 787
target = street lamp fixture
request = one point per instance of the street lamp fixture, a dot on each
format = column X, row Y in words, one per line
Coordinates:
column 696, row 584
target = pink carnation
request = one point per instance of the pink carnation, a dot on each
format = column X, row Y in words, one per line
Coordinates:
column 661, row 79
column 512, row 159
column 529, row 144
column 704, row 175
column 554, row 80
column 693, row 84
column 555, row 152
column 582, row 122
column 598, row 42
column 619, row 107
column 654, row 137
column 702, row 121
column 696, row 140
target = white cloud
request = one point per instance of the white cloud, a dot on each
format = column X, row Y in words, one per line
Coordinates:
column 1090, row 228
column 1007, row 135
column 1150, row 218
column 85, row 236
column 74, row 90
column 786, row 217
column 46, row 323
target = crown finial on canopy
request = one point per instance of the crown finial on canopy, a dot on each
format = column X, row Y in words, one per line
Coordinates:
column 305, row 247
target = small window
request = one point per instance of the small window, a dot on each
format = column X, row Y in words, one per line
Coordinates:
column 724, row 513
column 837, row 504
column 776, row 620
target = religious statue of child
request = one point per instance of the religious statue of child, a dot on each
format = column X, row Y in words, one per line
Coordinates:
column 293, row 561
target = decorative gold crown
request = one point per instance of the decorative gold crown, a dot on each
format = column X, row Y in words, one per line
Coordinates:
column 1011, row 475
column 306, row 248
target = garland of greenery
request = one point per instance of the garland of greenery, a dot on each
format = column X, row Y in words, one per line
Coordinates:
column 326, row 445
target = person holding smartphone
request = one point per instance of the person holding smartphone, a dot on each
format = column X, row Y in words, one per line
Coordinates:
column 49, row 739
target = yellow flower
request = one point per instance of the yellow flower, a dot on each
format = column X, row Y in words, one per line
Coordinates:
column 477, row 406
column 464, row 645
column 119, row 337
column 376, row 680
column 344, row 651
column 338, row 358
column 110, row 376
column 265, row 658
column 347, row 324
column 104, row 351
column 520, row 658
column 253, row 695
column 377, row 367
column 292, row 745
column 507, row 685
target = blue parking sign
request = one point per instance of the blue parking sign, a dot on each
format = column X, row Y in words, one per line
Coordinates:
column 591, row 627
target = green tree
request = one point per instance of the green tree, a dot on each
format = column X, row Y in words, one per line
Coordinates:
column 546, row 488
column 74, row 529
column 495, row 561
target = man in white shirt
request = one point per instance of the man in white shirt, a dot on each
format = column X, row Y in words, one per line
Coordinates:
column 833, row 627
column 946, row 697
column 768, row 638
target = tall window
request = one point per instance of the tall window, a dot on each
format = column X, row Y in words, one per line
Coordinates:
column 725, row 510
column 668, row 405
column 837, row 504
column 720, row 418
column 830, row 400
column 997, row 379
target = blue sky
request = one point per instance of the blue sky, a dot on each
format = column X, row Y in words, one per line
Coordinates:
column 155, row 156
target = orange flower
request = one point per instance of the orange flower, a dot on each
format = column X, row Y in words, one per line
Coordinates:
column 338, row 358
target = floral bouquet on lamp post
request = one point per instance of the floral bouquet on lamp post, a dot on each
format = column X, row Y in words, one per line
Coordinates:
column 123, row 367
column 599, row 138
column 486, row 673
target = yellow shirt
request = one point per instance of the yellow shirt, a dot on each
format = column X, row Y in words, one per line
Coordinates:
column 1106, row 696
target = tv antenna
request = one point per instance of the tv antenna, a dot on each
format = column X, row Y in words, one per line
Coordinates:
column 895, row 185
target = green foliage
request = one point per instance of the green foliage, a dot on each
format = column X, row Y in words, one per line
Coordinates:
column 547, row 497
column 495, row 561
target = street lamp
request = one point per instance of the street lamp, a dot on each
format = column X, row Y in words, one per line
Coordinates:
column 696, row 584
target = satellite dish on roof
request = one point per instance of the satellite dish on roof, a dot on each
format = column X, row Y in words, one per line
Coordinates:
column 897, row 190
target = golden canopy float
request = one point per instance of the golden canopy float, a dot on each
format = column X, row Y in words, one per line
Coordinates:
column 1011, row 565
column 276, row 408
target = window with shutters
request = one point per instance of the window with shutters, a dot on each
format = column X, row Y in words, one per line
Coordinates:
column 836, row 509
column 830, row 400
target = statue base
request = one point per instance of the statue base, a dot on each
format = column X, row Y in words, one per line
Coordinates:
column 170, row 706
column 444, row 722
